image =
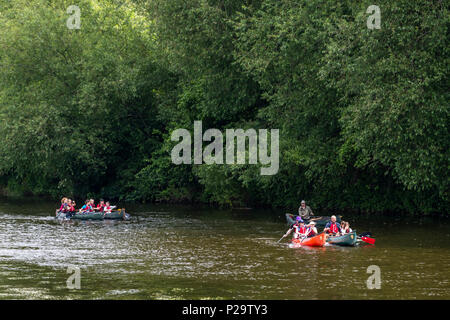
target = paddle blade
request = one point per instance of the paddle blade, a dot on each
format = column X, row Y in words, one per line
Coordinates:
column 368, row 240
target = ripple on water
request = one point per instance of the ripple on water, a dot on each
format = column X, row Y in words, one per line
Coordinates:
column 161, row 255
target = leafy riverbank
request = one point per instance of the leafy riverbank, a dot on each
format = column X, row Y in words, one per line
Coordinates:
column 363, row 113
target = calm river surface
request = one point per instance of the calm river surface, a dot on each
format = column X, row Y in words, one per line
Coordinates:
column 181, row 252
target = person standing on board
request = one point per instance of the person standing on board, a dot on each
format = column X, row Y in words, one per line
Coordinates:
column 305, row 211
column 332, row 227
column 299, row 229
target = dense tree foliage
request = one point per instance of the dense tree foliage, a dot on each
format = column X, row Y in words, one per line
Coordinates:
column 363, row 113
column 77, row 106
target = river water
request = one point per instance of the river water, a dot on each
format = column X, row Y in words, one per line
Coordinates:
column 182, row 252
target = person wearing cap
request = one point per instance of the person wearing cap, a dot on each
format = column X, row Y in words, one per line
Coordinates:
column 298, row 227
column 311, row 230
column 305, row 211
column 332, row 227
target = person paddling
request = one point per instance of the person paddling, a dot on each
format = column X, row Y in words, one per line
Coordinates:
column 332, row 227
column 305, row 211
column 311, row 230
column 64, row 205
column 101, row 206
column 87, row 207
column 107, row 208
column 71, row 205
column 298, row 227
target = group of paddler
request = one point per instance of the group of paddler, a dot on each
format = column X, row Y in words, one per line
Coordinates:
column 68, row 206
column 302, row 230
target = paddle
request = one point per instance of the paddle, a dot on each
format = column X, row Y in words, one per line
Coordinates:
column 303, row 237
column 281, row 238
column 285, row 235
column 366, row 237
column 368, row 240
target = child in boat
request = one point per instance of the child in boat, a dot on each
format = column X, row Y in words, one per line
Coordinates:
column 64, row 205
column 101, row 206
column 70, row 208
column 299, row 229
column 107, row 207
column 87, row 207
column 71, row 205
column 346, row 229
column 311, row 230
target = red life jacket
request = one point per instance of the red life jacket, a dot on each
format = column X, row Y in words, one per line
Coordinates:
column 101, row 207
column 334, row 228
column 299, row 229
column 310, row 232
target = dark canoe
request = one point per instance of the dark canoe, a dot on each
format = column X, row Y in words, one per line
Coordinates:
column 113, row 215
column 320, row 221
column 348, row 239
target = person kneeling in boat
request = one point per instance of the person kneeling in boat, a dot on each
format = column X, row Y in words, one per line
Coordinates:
column 332, row 227
column 311, row 230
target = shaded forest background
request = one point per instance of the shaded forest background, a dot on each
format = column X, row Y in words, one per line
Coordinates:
column 363, row 114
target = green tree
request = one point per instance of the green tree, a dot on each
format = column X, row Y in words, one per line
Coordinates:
column 76, row 106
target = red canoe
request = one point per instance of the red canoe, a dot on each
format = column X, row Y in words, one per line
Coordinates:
column 316, row 241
